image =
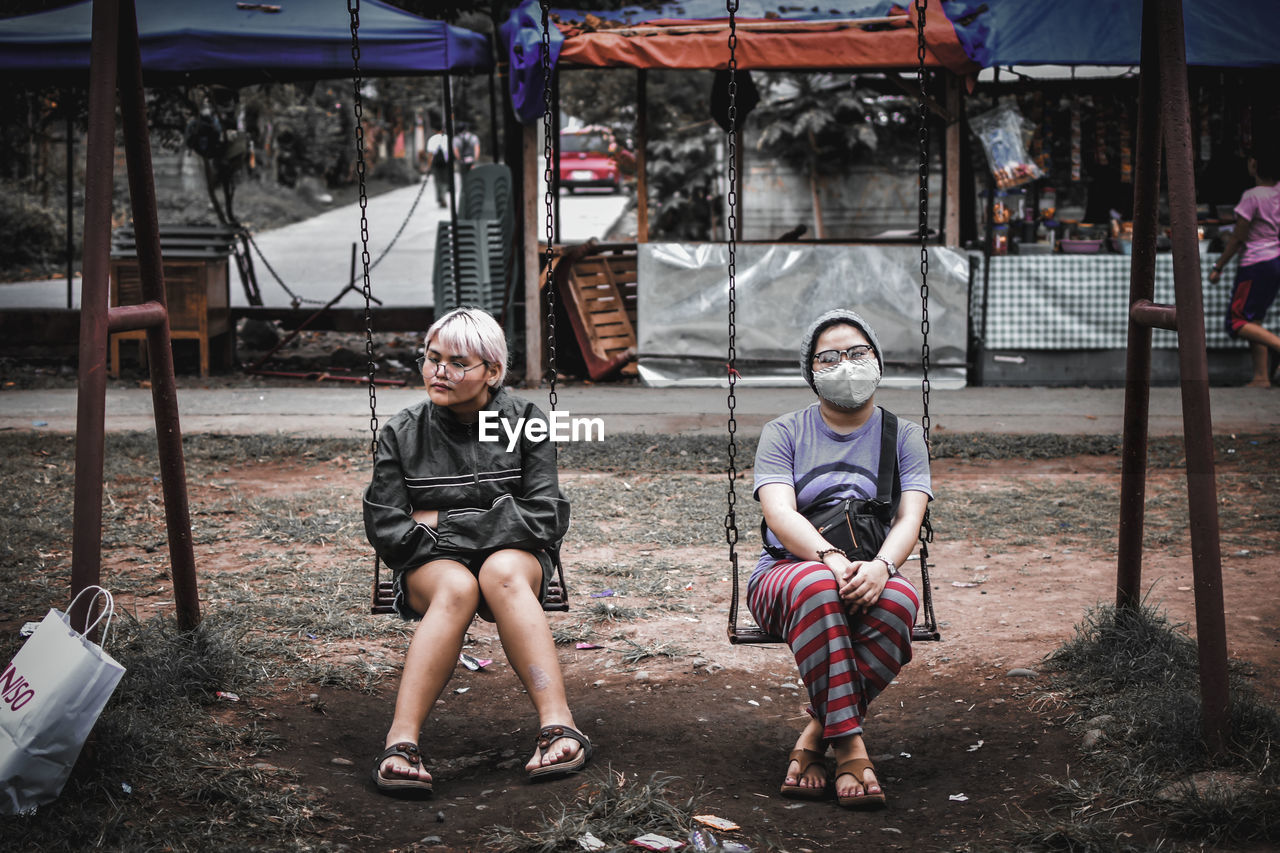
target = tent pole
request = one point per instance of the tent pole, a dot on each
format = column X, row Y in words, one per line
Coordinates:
column 493, row 117
column 951, row 164
column 71, row 159
column 555, row 149
column 447, row 86
column 642, row 140
column 532, row 257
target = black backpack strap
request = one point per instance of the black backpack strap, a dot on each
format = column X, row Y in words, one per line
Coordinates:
column 888, row 477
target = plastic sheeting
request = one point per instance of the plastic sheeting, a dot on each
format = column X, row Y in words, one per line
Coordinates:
column 683, row 298
column 185, row 40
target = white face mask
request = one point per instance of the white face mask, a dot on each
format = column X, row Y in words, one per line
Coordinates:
column 848, row 384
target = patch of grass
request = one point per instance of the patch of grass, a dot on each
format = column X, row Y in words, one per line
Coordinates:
column 604, row 611
column 636, row 652
column 611, row 807
column 159, row 772
column 572, row 632
column 1130, row 679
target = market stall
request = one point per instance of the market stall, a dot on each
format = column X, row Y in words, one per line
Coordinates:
column 1054, row 167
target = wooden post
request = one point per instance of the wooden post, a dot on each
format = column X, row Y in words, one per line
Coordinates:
column 532, row 293
column 642, row 140
column 951, row 153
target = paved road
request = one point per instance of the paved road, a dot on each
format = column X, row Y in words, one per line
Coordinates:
column 330, row 410
column 313, row 257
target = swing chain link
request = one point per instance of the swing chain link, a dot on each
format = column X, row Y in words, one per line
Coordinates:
column 921, row 7
column 731, row 223
column 353, row 7
column 549, row 199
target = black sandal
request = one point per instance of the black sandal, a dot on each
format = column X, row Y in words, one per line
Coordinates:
column 401, row 786
column 560, row 769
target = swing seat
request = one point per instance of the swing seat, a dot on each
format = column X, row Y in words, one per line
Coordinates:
column 758, row 636
column 555, row 601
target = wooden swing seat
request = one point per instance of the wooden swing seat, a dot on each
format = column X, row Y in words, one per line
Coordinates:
column 555, row 601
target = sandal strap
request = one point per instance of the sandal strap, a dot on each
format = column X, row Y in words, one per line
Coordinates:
column 857, row 768
column 405, row 749
column 806, row 758
column 549, row 734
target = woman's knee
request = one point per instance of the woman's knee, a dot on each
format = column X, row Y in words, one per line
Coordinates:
column 510, row 571
column 445, row 585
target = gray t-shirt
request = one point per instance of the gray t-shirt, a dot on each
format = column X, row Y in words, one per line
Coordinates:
column 826, row 467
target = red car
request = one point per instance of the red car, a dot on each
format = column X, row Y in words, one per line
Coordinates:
column 592, row 157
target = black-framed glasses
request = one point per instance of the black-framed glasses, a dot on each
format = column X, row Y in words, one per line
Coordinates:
column 857, row 352
column 453, row 370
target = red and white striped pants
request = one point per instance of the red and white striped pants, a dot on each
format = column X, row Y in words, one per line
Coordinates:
column 845, row 661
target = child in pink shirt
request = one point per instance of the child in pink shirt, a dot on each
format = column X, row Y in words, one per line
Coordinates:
column 1258, row 277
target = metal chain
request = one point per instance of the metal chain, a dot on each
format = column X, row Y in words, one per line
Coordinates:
column 299, row 300
column 921, row 6
column 353, row 7
column 731, row 224
column 549, row 199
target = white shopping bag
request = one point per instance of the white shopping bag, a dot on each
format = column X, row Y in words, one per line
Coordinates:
column 50, row 697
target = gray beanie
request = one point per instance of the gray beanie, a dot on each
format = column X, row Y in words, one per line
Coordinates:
column 818, row 326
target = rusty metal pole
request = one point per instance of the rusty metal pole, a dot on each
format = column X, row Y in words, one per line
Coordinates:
column 1202, row 491
column 91, row 396
column 1142, row 273
column 164, row 390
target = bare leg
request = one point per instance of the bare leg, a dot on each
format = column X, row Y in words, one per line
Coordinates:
column 447, row 594
column 1259, row 340
column 815, row 775
column 509, row 581
column 853, row 746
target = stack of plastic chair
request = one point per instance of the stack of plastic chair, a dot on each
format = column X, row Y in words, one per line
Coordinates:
column 485, row 267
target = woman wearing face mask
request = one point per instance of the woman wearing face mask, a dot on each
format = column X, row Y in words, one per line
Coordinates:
column 847, row 622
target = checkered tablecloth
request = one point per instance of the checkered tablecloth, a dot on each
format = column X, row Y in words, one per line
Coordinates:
column 1066, row 302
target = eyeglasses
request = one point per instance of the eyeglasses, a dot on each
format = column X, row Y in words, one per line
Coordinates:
column 453, row 370
column 833, row 356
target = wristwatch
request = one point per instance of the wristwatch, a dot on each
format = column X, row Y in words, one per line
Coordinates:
column 893, row 570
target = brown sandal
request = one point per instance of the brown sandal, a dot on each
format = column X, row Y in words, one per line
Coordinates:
column 550, row 734
column 401, row 786
column 804, row 759
column 857, row 768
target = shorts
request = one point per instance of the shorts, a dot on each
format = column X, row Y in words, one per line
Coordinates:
column 1254, row 291
column 473, row 560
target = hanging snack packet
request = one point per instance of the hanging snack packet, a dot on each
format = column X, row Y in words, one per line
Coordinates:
column 1001, row 132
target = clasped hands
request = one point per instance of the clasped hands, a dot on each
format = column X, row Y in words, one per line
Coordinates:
column 860, row 582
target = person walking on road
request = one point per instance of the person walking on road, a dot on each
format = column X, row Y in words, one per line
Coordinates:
column 466, row 148
column 440, row 165
column 1257, row 230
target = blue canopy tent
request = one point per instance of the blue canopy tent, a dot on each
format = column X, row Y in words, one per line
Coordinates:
column 240, row 43
column 1231, row 34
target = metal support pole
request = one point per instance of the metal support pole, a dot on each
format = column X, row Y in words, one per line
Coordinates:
column 164, row 389
column 91, row 396
column 1202, row 490
column 1142, row 274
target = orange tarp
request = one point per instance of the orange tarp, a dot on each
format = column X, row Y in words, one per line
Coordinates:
column 816, row 45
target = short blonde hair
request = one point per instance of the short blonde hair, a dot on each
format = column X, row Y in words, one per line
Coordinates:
column 470, row 331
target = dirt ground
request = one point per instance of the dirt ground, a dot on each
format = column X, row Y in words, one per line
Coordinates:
column 964, row 744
